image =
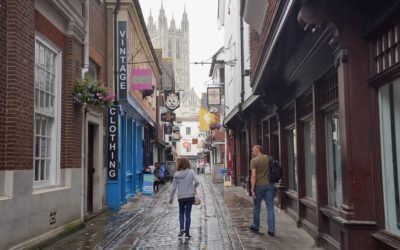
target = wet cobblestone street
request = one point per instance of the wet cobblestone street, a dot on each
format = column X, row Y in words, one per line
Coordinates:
column 220, row 222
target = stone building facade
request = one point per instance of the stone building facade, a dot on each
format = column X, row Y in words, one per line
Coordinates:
column 174, row 42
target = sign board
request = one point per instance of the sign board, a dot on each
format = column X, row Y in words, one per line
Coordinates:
column 167, row 129
column 195, row 141
column 141, row 79
column 112, row 143
column 170, row 170
column 172, row 101
column 148, row 183
column 168, row 116
column 160, row 167
column 213, row 96
column 122, row 59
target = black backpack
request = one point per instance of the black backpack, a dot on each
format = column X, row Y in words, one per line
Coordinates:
column 275, row 170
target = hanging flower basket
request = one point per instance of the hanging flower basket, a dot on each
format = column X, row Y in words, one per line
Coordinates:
column 92, row 92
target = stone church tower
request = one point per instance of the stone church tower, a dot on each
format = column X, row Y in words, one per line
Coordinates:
column 174, row 42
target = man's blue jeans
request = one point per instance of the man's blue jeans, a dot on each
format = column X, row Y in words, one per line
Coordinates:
column 264, row 193
column 185, row 208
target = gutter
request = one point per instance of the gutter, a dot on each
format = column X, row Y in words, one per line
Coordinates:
column 115, row 13
column 84, row 70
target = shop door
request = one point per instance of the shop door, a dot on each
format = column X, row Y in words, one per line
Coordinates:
column 90, row 167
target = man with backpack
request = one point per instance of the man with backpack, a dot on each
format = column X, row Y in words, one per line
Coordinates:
column 262, row 189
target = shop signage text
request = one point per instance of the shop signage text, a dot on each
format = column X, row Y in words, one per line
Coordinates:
column 112, row 143
column 168, row 117
column 122, row 58
column 141, row 79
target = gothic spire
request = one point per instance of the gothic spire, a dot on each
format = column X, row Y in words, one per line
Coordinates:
column 172, row 25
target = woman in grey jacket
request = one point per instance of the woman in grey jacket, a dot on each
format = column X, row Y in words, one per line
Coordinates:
column 186, row 181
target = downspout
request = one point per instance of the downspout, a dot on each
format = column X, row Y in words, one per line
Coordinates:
column 242, row 75
column 241, row 62
column 115, row 13
column 84, row 70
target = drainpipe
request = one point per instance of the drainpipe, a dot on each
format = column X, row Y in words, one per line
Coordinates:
column 83, row 162
column 242, row 74
column 241, row 62
column 115, row 13
column 84, row 70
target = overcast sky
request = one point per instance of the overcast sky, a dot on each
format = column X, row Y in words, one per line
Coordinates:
column 205, row 37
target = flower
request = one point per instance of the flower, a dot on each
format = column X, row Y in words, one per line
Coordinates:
column 92, row 92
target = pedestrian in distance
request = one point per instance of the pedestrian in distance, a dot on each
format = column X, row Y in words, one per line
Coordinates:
column 261, row 189
column 156, row 180
column 186, row 181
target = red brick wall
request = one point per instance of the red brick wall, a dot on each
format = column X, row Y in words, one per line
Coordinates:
column 257, row 41
column 17, row 83
column 3, row 54
column 71, row 71
column 71, row 113
column 98, row 36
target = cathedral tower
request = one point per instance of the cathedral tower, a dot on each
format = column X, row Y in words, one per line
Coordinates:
column 174, row 42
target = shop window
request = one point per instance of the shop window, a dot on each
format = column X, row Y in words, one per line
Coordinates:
column 93, row 71
column 387, row 49
column 309, row 159
column 291, row 158
column 389, row 104
column 333, row 159
column 47, row 113
column 328, row 102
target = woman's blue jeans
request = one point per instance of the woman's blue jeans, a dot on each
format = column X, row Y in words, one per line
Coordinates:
column 185, row 208
column 264, row 193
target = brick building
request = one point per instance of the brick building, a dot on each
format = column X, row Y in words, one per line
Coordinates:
column 51, row 163
column 324, row 78
column 40, row 168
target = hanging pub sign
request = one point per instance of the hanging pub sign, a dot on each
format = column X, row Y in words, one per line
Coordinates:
column 112, row 143
column 141, row 79
column 167, row 129
column 213, row 96
column 168, row 116
column 122, row 59
column 172, row 101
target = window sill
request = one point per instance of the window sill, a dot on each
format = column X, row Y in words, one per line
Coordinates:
column 329, row 212
column 292, row 194
column 5, row 197
column 387, row 238
column 37, row 191
column 309, row 203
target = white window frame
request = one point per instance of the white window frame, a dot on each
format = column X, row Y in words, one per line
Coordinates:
column 54, row 171
column 387, row 154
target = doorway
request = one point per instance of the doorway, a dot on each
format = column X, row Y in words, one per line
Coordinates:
column 90, row 166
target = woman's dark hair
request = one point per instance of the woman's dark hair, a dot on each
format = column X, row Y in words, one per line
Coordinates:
column 182, row 164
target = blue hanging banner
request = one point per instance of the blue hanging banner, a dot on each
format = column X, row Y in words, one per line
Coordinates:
column 112, row 143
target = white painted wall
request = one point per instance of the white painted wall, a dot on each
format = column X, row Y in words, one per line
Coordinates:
column 26, row 213
column 232, row 53
column 194, row 128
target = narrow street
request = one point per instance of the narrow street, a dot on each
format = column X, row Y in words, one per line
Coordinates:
column 220, row 222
